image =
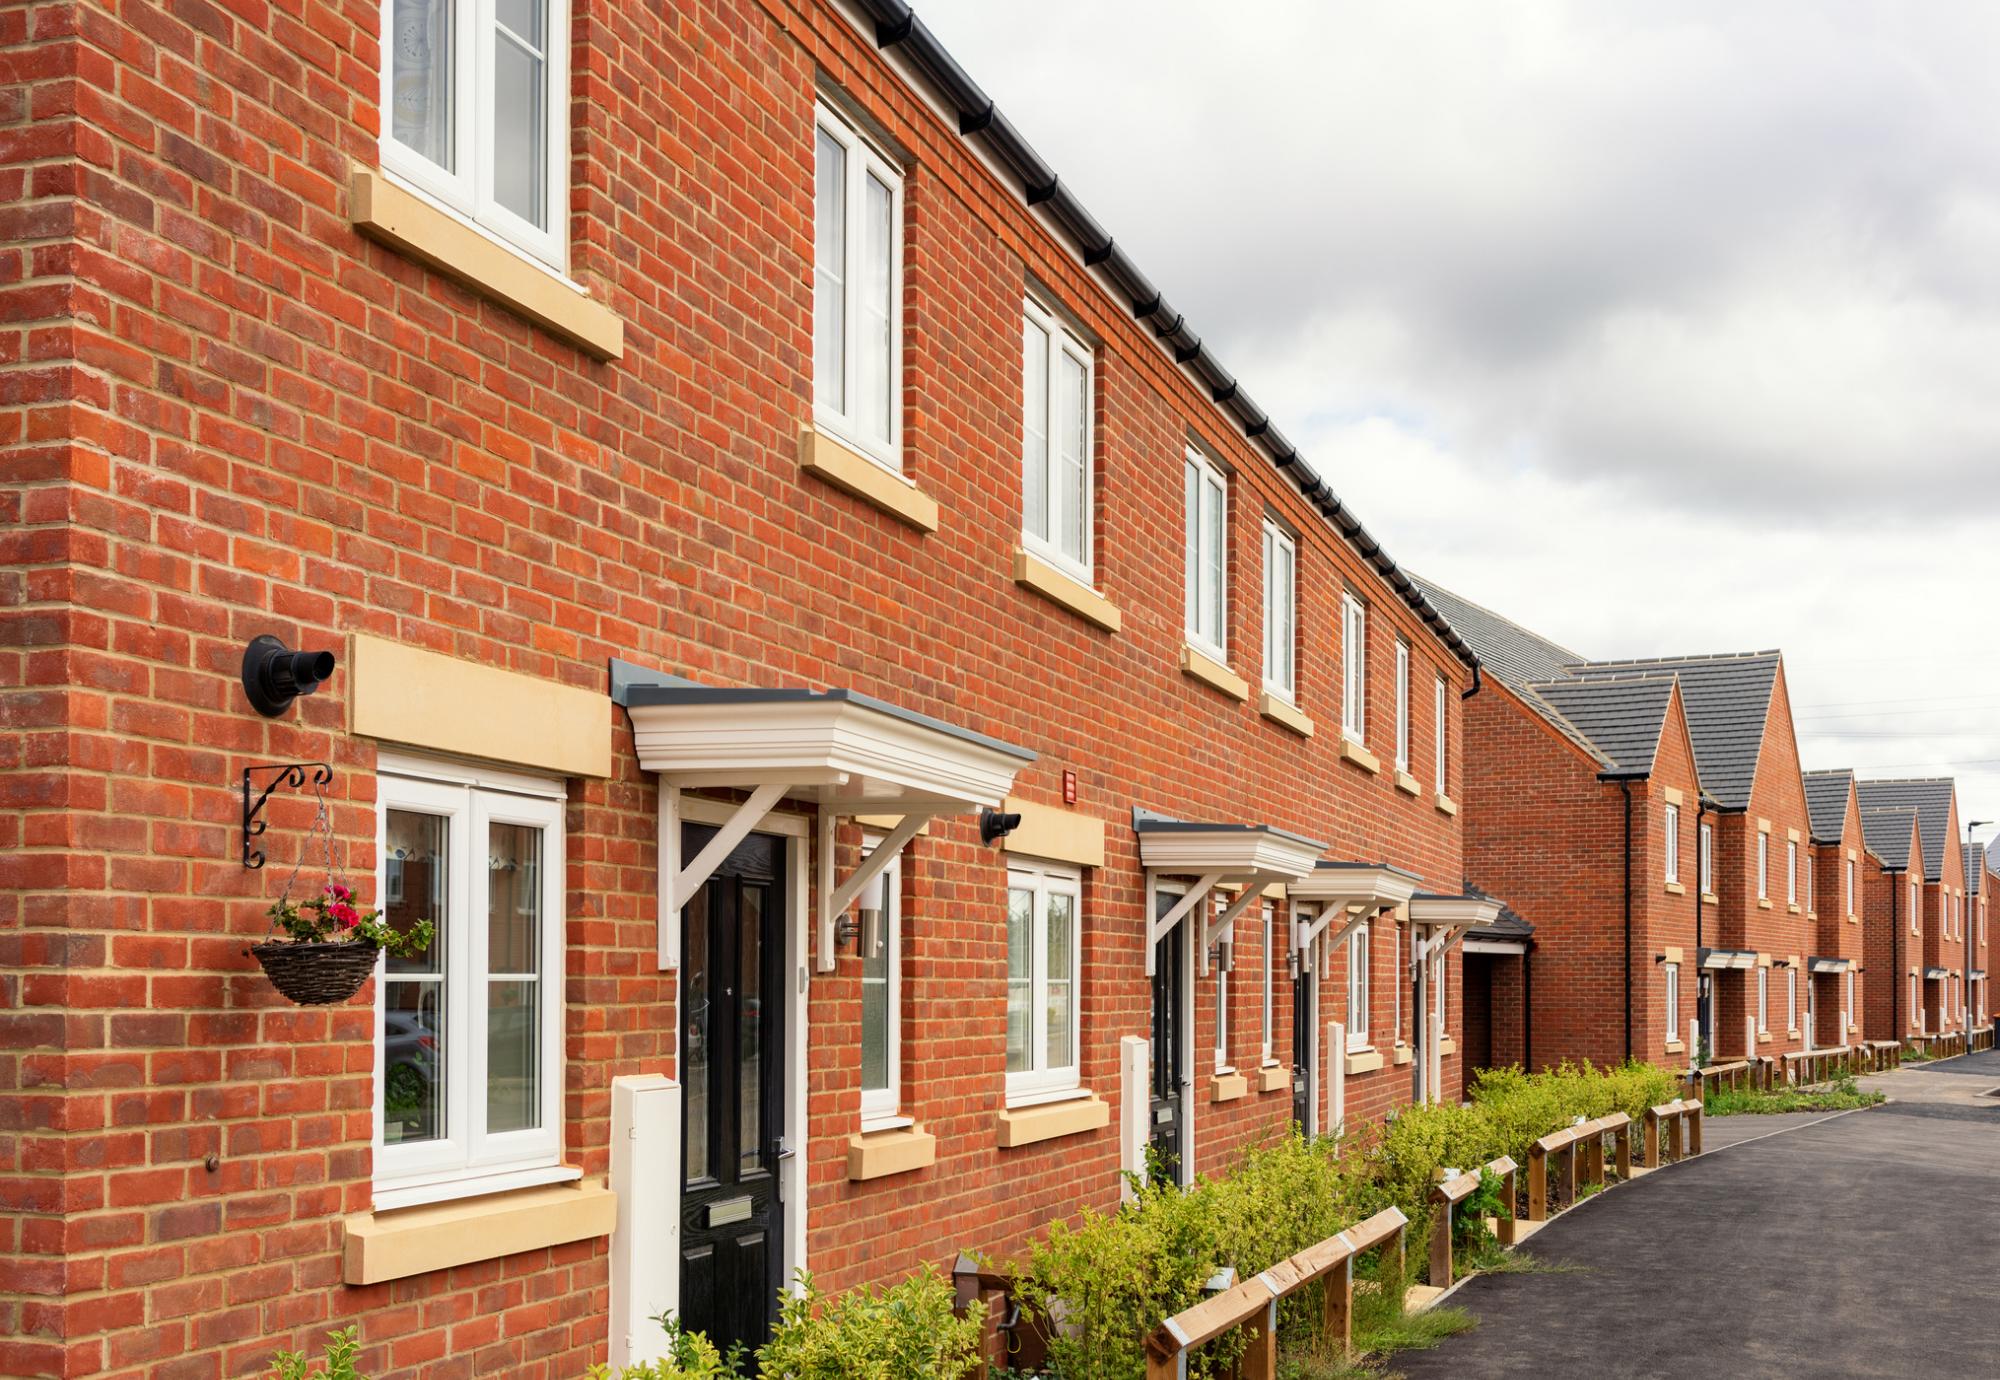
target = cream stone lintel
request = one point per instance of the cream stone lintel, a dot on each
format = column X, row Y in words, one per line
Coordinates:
column 1056, row 834
column 410, row 225
column 1673, row 795
column 1279, row 712
column 1445, row 805
column 878, row 1154
column 1671, row 954
column 1764, row 960
column 406, row 695
column 1351, row 751
column 825, row 458
column 1853, row 855
column 1208, row 670
column 1032, row 572
column 1407, row 784
column 1020, row 1126
column 1763, row 825
column 1364, row 1060
column 1272, row 1077
column 1793, row 835
column 1227, row 1087
column 380, row 1246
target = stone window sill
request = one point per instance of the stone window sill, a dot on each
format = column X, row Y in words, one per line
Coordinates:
column 405, row 222
column 1018, row 1126
column 1447, row 1045
column 1763, row 905
column 1227, row 1087
column 1363, row 1060
column 1060, row 587
column 1280, row 712
column 1401, row 1053
column 821, row 456
column 396, row 1244
column 1676, row 889
column 1351, row 751
column 1273, row 1077
column 1675, row 1047
column 878, row 1154
column 1445, row 805
column 1709, row 898
column 1407, row 783
column 1213, row 673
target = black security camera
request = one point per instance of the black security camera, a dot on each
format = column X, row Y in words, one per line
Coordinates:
column 994, row 826
column 274, row 675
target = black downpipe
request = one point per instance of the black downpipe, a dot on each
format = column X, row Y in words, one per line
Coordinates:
column 1704, row 1007
column 1477, row 682
column 1626, row 786
column 1895, row 958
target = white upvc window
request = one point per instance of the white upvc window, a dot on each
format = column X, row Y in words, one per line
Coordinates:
column 1850, row 886
column 1916, row 1004
column 881, row 908
column 1399, row 944
column 857, row 291
column 1044, row 950
column 1441, row 973
column 1791, row 998
column 1270, row 957
column 1673, row 842
column 1353, row 667
column 1791, row 872
column 1672, row 973
column 1705, row 846
column 1358, row 958
column 1916, row 909
column 1057, row 398
column 475, row 114
column 468, row 1033
column 1763, row 1001
column 1439, row 703
column 1812, row 883
column 1207, row 570
column 1402, row 706
column 1847, row 1003
column 1222, row 1064
column 1763, row 867
column 1281, row 613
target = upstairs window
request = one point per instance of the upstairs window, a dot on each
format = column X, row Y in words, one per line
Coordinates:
column 857, row 291
column 1354, row 667
column 1402, row 706
column 1673, row 842
column 1850, row 886
column 1916, row 909
column 1439, row 703
column 1044, row 947
column 475, row 99
column 1705, row 842
column 1281, row 613
column 1207, row 549
column 1763, row 867
column 1791, row 872
column 1055, row 442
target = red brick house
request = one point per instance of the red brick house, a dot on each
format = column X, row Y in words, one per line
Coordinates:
column 1583, row 812
column 1893, row 924
column 1943, row 964
column 1836, row 903
column 738, row 481
column 1979, row 898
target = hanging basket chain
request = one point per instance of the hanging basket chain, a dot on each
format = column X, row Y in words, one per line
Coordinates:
column 322, row 832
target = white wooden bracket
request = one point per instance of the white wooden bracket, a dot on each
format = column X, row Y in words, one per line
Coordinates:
column 833, row 900
column 1308, row 930
column 1225, row 924
column 679, row 884
column 1159, row 929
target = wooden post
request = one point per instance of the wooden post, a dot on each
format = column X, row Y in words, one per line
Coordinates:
column 1503, row 1221
column 1337, row 1306
column 1393, row 1258
column 1260, row 1357
column 1441, row 1211
column 1624, row 1151
column 1566, row 1177
column 1674, row 1133
column 1538, row 1183
column 1695, row 1114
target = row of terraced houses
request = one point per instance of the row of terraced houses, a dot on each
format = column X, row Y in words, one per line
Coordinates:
column 891, row 738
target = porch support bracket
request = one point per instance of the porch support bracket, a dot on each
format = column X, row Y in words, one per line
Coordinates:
column 834, row 900
column 1225, row 925
column 1159, row 929
column 681, row 883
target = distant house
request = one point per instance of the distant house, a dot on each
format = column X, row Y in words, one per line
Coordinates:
column 1944, row 963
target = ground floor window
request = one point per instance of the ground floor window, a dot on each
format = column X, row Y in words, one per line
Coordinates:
column 469, row 1031
column 1672, row 973
column 1044, row 913
column 1791, row 999
column 881, row 907
column 1763, row 1001
column 1357, row 989
column 1847, row 1003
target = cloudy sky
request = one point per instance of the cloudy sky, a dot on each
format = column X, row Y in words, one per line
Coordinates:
column 1658, row 328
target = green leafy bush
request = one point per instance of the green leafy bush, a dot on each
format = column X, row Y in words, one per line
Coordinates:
column 905, row 1332
column 690, row 1356
column 341, row 1349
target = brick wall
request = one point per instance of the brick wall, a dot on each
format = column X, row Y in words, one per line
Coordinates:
column 228, row 414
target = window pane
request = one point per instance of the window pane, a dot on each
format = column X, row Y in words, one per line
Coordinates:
column 513, row 899
column 1071, row 500
column 872, row 381
column 520, row 112
column 1020, row 978
column 414, row 853
column 420, row 96
column 1061, row 983
column 513, row 1080
column 1035, row 430
column 1191, row 555
column 1212, row 512
column 830, row 275
column 875, row 1012
column 412, row 1060
column 750, row 1027
column 696, row 981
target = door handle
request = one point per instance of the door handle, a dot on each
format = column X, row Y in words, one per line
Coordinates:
column 781, row 1151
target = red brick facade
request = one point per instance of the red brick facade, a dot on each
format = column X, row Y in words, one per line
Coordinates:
column 1839, row 903
column 229, row 414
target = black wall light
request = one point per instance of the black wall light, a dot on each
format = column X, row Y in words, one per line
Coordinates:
column 994, row 826
column 274, row 675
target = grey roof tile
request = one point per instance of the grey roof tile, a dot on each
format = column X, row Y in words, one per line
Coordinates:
column 1888, row 831
column 1621, row 716
column 1505, row 649
column 1826, row 802
column 1930, row 798
column 1727, row 699
column 1975, row 867
column 1509, row 924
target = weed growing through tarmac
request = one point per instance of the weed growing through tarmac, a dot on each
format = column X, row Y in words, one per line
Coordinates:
column 1842, row 1095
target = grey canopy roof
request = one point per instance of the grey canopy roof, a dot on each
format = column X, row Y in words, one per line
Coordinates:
column 1726, row 698
column 1930, row 798
column 1509, row 924
column 1888, row 831
column 1826, row 802
column 1620, row 716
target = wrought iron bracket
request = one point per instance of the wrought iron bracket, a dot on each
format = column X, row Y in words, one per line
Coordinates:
column 290, row 775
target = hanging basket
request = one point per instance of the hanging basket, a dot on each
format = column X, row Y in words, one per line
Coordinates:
column 317, row 974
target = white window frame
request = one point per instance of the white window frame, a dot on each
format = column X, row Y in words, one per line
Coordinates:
column 1791, row 872
column 1850, row 886
column 1222, row 1064
column 1672, row 975
column 1791, row 999
column 1402, row 706
column 1062, row 343
column 862, row 160
column 1442, row 703
column 466, row 1159
column 1039, row 1081
column 1847, row 1003
column 1270, row 957
column 1916, row 1003
column 1916, row 908
column 1202, row 483
column 467, row 194
column 1673, row 842
column 1705, row 845
column 884, row 1105
column 1401, row 940
column 1763, row 866
column 1763, row 1001
column 1353, row 667
column 1358, row 994
column 1812, row 883
column 1281, row 613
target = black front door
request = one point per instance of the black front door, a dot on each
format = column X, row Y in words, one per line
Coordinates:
column 1305, row 1021
column 732, row 1051
column 1169, row 1106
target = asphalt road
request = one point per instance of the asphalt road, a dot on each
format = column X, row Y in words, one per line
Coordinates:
column 1859, row 1245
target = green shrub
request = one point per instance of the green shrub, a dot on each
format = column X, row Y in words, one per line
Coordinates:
column 341, row 1349
column 905, row 1332
column 690, row 1356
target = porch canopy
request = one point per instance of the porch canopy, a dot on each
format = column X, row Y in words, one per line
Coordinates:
column 1353, row 893
column 1734, row 959
column 1817, row 966
column 1438, row 922
column 848, row 753
column 1936, row 974
column 1250, row 856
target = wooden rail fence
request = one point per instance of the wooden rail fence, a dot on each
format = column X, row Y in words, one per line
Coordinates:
column 1446, row 1197
column 1672, row 1131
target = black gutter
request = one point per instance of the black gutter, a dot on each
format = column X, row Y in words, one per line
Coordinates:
column 1895, row 958
column 898, row 26
column 1478, row 681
